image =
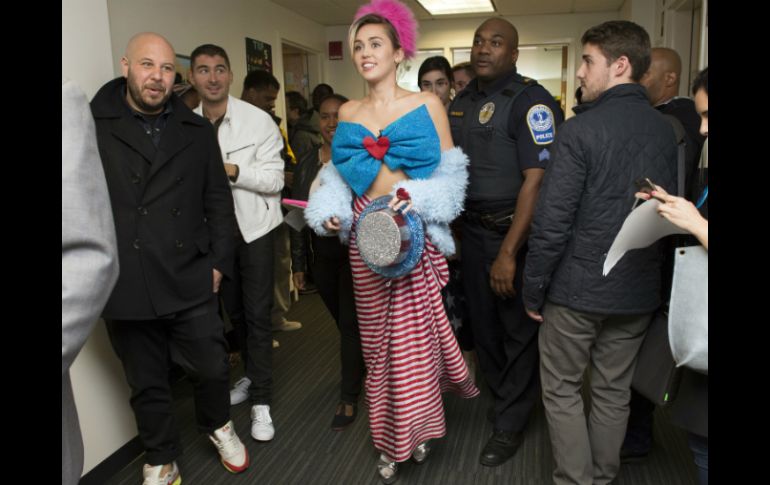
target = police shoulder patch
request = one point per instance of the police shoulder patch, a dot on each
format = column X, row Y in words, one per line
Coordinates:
column 541, row 124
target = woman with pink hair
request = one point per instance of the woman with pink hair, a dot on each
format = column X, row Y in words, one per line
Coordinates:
column 397, row 143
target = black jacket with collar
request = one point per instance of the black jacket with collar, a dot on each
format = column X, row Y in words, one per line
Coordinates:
column 172, row 206
column 587, row 192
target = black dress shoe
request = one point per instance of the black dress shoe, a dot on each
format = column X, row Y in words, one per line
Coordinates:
column 638, row 441
column 633, row 455
column 341, row 417
column 500, row 447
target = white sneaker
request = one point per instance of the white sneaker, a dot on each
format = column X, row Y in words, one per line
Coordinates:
column 261, row 423
column 276, row 344
column 231, row 450
column 240, row 391
column 287, row 326
column 151, row 475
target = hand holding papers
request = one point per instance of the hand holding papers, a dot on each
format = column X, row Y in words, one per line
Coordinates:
column 642, row 227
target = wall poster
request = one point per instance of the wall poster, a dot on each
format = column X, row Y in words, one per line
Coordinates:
column 259, row 55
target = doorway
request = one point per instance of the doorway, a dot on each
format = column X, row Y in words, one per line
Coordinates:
column 300, row 69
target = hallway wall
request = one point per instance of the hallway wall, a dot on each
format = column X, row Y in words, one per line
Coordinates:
column 98, row 382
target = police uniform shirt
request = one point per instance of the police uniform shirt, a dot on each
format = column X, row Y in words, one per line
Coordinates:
column 532, row 119
column 532, row 153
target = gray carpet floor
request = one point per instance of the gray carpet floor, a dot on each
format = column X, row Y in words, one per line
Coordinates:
column 306, row 451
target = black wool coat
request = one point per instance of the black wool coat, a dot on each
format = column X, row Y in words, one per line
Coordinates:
column 172, row 206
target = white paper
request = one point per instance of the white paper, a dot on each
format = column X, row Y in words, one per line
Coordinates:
column 642, row 227
column 295, row 218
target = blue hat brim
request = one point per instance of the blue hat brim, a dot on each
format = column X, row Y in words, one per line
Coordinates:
column 414, row 253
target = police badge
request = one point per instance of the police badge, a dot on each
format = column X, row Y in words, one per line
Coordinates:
column 486, row 113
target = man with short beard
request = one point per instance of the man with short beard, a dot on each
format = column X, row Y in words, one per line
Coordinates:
column 174, row 221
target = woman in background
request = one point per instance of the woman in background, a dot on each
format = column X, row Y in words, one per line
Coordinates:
column 331, row 268
column 435, row 75
column 690, row 409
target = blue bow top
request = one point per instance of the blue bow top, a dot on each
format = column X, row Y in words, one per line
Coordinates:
column 414, row 148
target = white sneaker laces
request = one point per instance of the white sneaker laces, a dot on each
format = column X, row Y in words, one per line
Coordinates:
column 230, row 447
column 262, row 417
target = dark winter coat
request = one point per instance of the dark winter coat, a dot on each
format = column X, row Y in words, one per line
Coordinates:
column 587, row 193
column 172, row 206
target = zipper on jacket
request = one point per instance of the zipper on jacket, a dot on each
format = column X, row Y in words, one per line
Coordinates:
column 227, row 154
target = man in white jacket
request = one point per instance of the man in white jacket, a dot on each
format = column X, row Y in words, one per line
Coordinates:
column 251, row 144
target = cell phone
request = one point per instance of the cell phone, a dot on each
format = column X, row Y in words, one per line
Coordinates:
column 645, row 185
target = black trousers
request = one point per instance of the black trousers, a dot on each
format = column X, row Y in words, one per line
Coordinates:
column 505, row 337
column 195, row 342
column 331, row 270
column 248, row 298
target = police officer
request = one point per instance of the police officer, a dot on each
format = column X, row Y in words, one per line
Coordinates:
column 506, row 124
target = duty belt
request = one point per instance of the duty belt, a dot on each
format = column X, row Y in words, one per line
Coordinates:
column 494, row 221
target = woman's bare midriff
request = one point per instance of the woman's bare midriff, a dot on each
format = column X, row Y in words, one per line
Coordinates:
column 384, row 182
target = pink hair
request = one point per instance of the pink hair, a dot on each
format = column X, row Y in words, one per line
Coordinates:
column 399, row 16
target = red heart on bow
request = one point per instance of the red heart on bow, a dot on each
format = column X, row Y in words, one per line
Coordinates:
column 378, row 148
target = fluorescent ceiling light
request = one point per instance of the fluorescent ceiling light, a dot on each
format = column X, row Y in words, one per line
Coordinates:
column 449, row 7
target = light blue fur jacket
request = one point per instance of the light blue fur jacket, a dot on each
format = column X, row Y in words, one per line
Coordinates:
column 438, row 199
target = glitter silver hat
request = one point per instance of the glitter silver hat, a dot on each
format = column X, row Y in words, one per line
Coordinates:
column 390, row 243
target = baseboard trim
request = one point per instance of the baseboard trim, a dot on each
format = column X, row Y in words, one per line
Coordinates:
column 110, row 466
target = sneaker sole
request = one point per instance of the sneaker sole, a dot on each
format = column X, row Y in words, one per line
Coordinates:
column 263, row 440
column 235, row 469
